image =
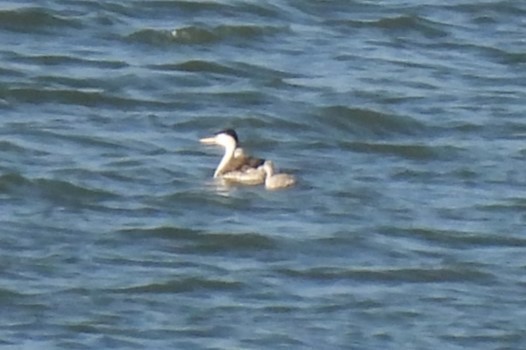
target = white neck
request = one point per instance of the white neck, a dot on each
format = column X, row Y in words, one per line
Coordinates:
column 269, row 169
column 227, row 157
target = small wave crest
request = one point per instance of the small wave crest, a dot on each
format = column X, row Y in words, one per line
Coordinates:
column 59, row 192
column 394, row 275
column 200, row 35
column 29, row 20
column 189, row 284
column 202, row 242
column 365, row 121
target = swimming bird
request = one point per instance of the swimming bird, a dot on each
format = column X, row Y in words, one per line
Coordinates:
column 247, row 176
column 236, row 165
column 276, row 181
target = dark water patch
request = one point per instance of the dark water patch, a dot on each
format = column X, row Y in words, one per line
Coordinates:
column 184, row 285
column 55, row 191
column 328, row 9
column 10, row 148
column 35, row 20
column 247, row 32
column 485, row 340
column 516, row 206
column 127, row 8
column 235, row 69
column 392, row 275
column 261, row 9
column 187, row 35
column 193, row 7
column 496, row 55
column 489, row 8
column 79, row 84
column 163, row 9
column 201, row 242
column 10, row 72
column 66, row 192
column 239, row 242
column 368, row 122
column 251, row 98
column 106, row 145
column 463, row 49
column 457, row 239
column 198, row 66
column 12, row 182
column 82, row 98
column 403, row 24
column 212, row 123
column 196, row 199
column 416, row 175
column 201, row 35
column 168, row 232
column 462, row 127
column 414, row 152
column 465, row 176
column 282, row 340
column 251, row 121
column 409, row 23
column 64, row 61
column 262, row 72
column 513, row 58
column 8, row 296
column 283, row 126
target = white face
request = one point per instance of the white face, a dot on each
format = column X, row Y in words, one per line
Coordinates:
column 224, row 140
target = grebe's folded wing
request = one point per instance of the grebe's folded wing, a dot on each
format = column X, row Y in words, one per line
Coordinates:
column 253, row 162
column 242, row 161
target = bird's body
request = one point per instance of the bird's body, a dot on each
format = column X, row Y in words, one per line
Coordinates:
column 276, row 181
column 235, row 165
column 249, row 176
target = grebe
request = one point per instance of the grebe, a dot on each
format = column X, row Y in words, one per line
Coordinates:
column 276, row 181
column 248, row 176
column 235, row 166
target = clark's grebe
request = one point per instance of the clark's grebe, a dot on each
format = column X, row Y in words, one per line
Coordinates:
column 276, row 181
column 248, row 176
column 235, row 166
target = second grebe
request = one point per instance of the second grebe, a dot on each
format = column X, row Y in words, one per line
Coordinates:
column 276, row 181
column 235, row 166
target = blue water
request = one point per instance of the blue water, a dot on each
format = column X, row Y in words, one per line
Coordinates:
column 403, row 121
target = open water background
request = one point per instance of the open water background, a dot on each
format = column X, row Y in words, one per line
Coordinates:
column 404, row 121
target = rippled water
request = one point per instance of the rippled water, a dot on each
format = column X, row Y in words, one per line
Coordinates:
column 404, row 121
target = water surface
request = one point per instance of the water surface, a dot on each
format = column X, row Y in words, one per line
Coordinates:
column 404, row 121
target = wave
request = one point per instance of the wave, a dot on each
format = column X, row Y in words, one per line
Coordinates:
column 200, row 35
column 28, row 20
column 7, row 147
column 235, row 69
column 395, row 24
column 503, row 7
column 183, row 285
column 185, row 9
column 203, row 242
column 63, row 60
column 415, row 151
column 86, row 98
column 365, row 121
column 60, row 192
column 456, row 239
column 446, row 274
